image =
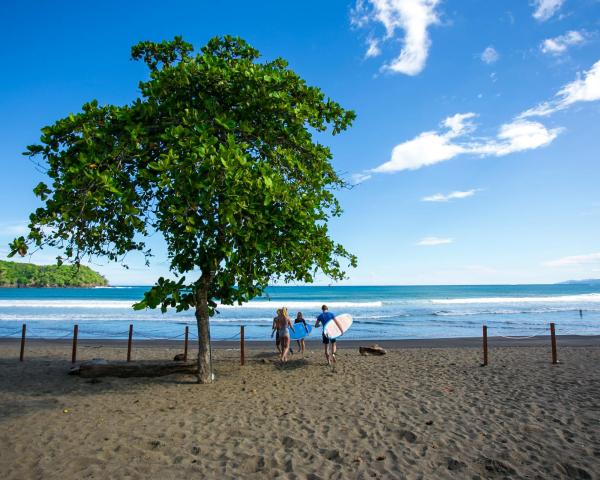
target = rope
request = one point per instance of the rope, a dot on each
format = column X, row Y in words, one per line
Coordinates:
column 159, row 337
column 518, row 338
column 11, row 334
column 230, row 338
column 6, row 327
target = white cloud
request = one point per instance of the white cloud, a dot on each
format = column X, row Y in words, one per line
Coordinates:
column 585, row 88
column 459, row 124
column 429, row 148
column 432, row 147
column 490, row 55
column 426, row 149
column 517, row 136
column 575, row 260
column 373, row 50
column 433, row 241
column 13, row 229
column 413, row 17
column 521, row 134
column 357, row 178
column 440, row 197
column 544, row 9
column 560, row 44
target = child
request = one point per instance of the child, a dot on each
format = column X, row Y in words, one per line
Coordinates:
column 300, row 319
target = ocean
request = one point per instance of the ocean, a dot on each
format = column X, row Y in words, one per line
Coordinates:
column 380, row 312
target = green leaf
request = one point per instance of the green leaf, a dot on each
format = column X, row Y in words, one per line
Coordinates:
column 219, row 164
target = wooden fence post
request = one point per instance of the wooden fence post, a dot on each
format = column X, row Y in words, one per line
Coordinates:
column 553, row 341
column 242, row 359
column 185, row 343
column 22, row 342
column 74, row 353
column 129, row 343
column 485, row 346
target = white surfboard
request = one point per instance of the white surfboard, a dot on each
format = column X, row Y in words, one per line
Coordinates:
column 337, row 326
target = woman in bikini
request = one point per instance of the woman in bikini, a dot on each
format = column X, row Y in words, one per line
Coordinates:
column 284, row 323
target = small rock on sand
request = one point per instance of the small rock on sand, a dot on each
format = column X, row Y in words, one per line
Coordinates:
column 454, row 464
column 371, row 350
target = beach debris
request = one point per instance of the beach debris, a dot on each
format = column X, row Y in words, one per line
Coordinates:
column 429, row 422
column 155, row 444
column 409, row 436
column 94, row 361
column 576, row 473
column 380, row 458
column 144, row 368
column 371, row 350
column 496, row 466
column 180, row 357
column 333, row 455
column 66, row 410
column 196, row 450
column 454, row 464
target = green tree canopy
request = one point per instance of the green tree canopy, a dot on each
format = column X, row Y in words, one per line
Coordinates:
column 218, row 155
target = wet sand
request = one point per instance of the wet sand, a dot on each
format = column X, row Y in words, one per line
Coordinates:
column 425, row 410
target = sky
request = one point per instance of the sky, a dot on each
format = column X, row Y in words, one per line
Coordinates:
column 474, row 158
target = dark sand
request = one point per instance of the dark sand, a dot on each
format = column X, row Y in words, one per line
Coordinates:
column 426, row 410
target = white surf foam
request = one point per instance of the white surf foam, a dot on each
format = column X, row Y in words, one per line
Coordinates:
column 583, row 298
column 126, row 304
column 275, row 304
column 68, row 303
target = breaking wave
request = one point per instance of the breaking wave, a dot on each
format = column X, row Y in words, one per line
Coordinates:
column 113, row 304
column 584, row 298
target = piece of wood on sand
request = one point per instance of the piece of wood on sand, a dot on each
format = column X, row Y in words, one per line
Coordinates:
column 372, row 350
column 145, row 368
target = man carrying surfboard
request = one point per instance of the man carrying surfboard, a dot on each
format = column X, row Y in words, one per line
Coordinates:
column 325, row 317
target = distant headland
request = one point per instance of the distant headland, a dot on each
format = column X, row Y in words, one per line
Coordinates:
column 28, row 275
column 589, row 281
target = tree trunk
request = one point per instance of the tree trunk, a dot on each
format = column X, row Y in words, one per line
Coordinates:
column 204, row 353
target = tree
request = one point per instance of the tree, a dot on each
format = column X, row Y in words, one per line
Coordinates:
column 218, row 156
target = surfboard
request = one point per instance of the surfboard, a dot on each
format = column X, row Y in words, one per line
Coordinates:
column 337, row 326
column 300, row 331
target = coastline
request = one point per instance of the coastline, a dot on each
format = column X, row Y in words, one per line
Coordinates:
column 314, row 342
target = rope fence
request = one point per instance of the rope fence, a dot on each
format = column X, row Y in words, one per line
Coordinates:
column 540, row 332
column 28, row 333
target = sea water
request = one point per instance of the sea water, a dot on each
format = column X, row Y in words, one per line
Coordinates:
column 380, row 312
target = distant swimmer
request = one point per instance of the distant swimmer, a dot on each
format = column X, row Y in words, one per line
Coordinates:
column 580, row 313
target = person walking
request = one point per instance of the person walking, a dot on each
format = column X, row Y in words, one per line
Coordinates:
column 300, row 320
column 283, row 323
column 329, row 343
column 275, row 332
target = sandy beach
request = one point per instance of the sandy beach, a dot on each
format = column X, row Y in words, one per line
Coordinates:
column 425, row 410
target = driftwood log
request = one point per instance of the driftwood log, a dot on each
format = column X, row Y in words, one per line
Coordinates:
column 372, row 350
column 148, row 368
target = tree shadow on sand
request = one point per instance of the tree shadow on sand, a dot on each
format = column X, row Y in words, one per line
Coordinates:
column 293, row 364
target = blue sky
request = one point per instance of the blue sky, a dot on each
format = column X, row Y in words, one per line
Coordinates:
column 474, row 153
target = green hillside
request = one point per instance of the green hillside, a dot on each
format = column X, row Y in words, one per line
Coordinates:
column 13, row 274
